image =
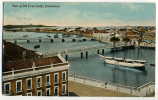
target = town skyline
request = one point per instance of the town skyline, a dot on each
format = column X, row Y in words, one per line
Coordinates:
column 80, row 14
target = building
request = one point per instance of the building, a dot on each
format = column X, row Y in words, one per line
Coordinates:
column 128, row 27
column 36, row 77
column 147, row 44
column 13, row 52
column 150, row 37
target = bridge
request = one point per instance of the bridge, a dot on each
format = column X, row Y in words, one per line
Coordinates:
column 85, row 49
column 51, row 39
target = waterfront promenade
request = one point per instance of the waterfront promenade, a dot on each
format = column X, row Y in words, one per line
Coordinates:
column 135, row 91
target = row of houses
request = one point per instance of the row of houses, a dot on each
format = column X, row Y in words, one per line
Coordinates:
column 147, row 44
column 33, row 75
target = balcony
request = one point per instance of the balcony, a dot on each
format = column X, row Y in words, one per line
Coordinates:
column 64, row 92
column 18, row 90
column 56, row 81
column 29, row 88
column 39, row 85
column 48, row 83
column 56, row 94
column 7, row 92
column 64, row 80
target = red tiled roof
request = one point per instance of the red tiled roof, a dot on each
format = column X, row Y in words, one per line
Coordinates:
column 13, row 52
column 17, row 65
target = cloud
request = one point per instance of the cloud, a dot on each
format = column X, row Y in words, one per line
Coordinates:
column 132, row 6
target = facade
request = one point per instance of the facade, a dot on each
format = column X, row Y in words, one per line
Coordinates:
column 147, row 44
column 36, row 77
column 149, row 37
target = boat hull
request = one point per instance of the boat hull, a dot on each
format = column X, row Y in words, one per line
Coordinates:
column 125, row 64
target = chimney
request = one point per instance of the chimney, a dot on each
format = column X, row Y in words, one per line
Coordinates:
column 12, row 71
column 33, row 66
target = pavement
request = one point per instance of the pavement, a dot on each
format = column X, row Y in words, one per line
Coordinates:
column 136, row 91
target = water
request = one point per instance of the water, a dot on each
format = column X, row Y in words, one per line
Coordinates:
column 93, row 67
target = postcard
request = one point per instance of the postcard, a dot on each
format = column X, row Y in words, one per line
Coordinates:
column 79, row 49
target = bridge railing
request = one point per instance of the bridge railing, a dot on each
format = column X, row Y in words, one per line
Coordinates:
column 82, row 48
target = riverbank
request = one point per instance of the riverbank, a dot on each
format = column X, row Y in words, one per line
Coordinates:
column 59, row 32
column 84, row 90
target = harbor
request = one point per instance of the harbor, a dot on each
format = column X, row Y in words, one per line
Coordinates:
column 93, row 63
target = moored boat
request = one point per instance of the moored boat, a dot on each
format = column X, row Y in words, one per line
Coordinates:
column 48, row 35
column 37, row 46
column 139, row 64
column 25, row 35
column 56, row 36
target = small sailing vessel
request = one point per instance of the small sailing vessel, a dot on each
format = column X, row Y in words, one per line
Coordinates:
column 36, row 46
column 25, row 35
column 48, row 35
column 56, row 36
column 138, row 64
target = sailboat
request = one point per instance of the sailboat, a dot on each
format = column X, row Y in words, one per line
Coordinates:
column 137, row 64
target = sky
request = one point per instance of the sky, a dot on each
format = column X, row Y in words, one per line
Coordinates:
column 79, row 14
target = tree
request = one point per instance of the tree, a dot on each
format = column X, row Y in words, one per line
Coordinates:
column 114, row 40
column 126, row 40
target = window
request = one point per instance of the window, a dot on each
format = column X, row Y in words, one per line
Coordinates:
column 56, row 89
column 39, row 81
column 48, row 92
column 47, row 79
column 24, row 53
column 56, row 78
column 19, row 86
column 29, row 94
column 29, row 83
column 64, row 89
column 7, row 88
column 64, row 76
column 39, row 93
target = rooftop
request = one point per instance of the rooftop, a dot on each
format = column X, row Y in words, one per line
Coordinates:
column 13, row 52
column 17, row 65
column 147, row 41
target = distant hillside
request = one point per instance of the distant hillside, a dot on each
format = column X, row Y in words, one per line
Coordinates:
column 23, row 26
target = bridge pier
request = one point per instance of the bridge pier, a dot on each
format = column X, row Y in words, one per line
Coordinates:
column 28, row 41
column 84, row 39
column 92, row 39
column 40, row 40
column 15, row 41
column 81, row 54
column 74, row 40
column 66, row 58
column 98, row 51
column 102, row 51
column 52, row 40
column 63, row 40
column 86, row 54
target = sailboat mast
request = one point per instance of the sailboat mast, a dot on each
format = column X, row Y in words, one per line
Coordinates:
column 139, row 44
column 125, row 51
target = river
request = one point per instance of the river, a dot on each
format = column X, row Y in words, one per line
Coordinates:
column 93, row 66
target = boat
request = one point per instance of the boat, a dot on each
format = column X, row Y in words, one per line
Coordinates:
column 138, row 64
column 25, row 35
column 37, row 46
column 56, row 36
column 48, row 35
column 152, row 64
